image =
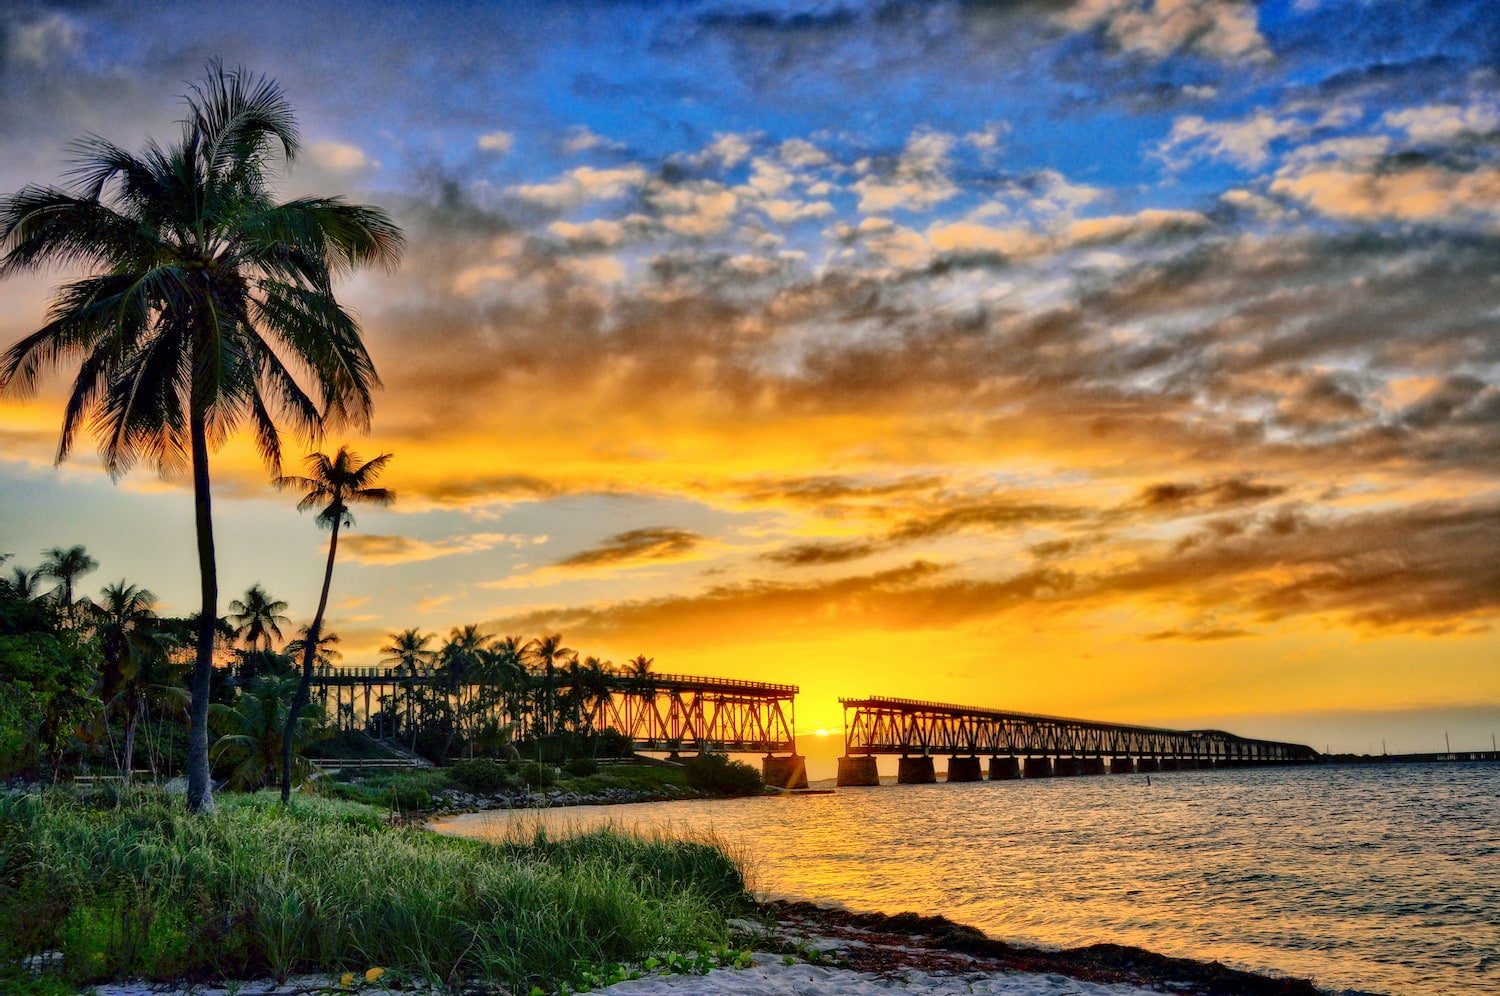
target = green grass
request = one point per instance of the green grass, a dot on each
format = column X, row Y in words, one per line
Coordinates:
column 131, row 884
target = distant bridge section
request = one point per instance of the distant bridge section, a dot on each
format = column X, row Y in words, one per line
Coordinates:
column 1020, row 744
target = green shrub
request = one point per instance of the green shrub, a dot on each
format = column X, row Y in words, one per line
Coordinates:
column 581, row 767
column 717, row 774
column 538, row 775
column 479, row 775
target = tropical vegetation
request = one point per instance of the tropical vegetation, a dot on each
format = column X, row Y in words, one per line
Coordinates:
column 202, row 294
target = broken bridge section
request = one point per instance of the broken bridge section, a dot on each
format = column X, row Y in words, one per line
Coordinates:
column 1032, row 746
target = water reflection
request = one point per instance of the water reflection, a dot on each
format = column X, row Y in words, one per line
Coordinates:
column 1379, row 879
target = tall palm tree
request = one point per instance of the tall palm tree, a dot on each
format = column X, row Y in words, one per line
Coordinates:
column 251, row 730
column 257, row 618
column 202, row 295
column 335, row 484
column 66, row 566
column 546, row 651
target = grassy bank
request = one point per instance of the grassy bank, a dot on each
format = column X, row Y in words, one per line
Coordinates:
column 126, row 885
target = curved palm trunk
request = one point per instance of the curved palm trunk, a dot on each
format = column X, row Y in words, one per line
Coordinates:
column 200, row 787
column 300, row 699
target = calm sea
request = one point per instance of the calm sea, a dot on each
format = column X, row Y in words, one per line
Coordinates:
column 1374, row 879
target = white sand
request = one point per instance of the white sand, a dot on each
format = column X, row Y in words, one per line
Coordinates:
column 769, row 976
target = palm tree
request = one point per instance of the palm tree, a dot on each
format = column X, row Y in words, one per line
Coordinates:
column 202, row 295
column 335, row 484
column 251, row 731
column 67, row 566
column 25, row 584
column 547, row 651
column 124, row 625
column 257, row 618
column 408, row 651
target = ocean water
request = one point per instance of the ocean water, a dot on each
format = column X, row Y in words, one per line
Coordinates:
column 1380, row 879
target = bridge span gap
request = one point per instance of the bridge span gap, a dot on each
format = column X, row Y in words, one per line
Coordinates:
column 1025, row 745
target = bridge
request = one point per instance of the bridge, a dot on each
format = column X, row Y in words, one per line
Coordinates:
column 663, row 713
column 1035, row 746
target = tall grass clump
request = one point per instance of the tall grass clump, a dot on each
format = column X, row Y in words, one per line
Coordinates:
column 132, row 884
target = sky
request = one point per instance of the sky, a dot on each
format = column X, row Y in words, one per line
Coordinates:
column 1119, row 359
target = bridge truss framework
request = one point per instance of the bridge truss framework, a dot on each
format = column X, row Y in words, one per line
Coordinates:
column 908, row 727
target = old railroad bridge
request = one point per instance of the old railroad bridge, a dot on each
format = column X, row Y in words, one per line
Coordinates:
column 671, row 713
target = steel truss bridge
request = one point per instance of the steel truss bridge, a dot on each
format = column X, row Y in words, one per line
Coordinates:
column 658, row 712
column 1051, row 744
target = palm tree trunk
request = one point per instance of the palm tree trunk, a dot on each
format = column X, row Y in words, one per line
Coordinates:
column 200, row 796
column 132, row 719
column 299, row 700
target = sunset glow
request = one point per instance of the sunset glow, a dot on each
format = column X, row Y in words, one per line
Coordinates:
column 1125, row 360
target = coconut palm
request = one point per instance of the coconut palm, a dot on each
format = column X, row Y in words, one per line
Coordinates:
column 124, row 625
column 251, row 731
column 202, row 295
column 26, row 585
column 547, row 651
column 335, row 484
column 66, row 566
column 407, row 652
column 257, row 618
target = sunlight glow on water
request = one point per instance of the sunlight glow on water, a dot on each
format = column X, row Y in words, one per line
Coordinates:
column 1381, row 879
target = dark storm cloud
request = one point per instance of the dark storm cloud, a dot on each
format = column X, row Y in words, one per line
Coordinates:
column 821, row 554
column 655, row 543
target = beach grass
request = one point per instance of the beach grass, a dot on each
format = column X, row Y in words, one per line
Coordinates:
column 128, row 883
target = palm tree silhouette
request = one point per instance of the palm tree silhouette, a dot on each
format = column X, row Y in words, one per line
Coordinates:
column 202, row 291
column 124, row 622
column 66, row 566
column 547, row 651
column 334, row 483
column 257, row 618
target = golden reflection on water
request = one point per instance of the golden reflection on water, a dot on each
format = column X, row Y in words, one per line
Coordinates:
column 1360, row 878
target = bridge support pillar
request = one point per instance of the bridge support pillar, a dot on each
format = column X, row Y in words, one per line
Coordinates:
column 784, row 772
column 1065, row 767
column 1121, row 766
column 915, row 771
column 1039, row 767
column 858, row 771
column 1171, row 764
column 963, row 769
column 1004, row 769
column 1146, row 765
column 1091, row 765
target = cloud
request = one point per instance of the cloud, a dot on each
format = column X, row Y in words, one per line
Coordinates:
column 1216, row 29
column 1228, row 493
column 39, row 43
column 1418, row 194
column 368, row 548
column 583, row 185
column 636, row 546
column 341, row 157
column 498, row 142
column 1445, row 123
column 822, row 553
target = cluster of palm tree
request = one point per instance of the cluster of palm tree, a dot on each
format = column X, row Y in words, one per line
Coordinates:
column 205, row 305
column 493, row 692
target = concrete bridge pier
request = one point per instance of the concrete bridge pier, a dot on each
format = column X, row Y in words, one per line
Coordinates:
column 858, row 771
column 1004, row 769
column 1065, row 767
column 963, row 769
column 1171, row 764
column 1121, row 766
column 1146, row 765
column 1091, row 765
column 1039, row 767
column 784, row 772
column 915, row 771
